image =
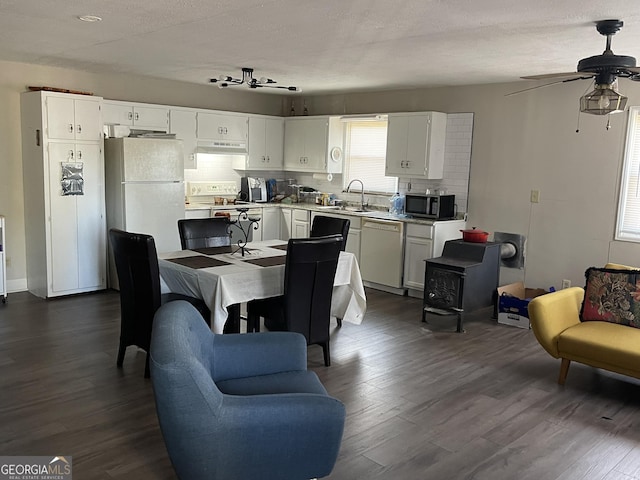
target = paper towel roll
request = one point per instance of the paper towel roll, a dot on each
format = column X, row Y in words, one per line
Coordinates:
column 321, row 176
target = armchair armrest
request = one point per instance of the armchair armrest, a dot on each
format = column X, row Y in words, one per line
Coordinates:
column 252, row 354
column 553, row 313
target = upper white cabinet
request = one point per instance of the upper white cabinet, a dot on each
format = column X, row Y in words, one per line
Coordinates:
column 266, row 144
column 313, row 144
column 415, row 144
column 183, row 124
column 222, row 127
column 136, row 115
column 72, row 118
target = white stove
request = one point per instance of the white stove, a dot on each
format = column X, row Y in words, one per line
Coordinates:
column 227, row 189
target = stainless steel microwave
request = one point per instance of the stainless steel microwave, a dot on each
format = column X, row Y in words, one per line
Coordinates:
column 437, row 207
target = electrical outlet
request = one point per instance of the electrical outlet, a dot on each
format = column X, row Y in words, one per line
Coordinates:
column 535, row 196
column 566, row 283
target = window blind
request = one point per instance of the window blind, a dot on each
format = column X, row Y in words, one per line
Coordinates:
column 365, row 157
column 628, row 224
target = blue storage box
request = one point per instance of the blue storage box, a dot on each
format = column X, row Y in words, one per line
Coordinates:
column 513, row 302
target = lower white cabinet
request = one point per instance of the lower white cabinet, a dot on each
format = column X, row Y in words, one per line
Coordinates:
column 300, row 223
column 285, row 223
column 190, row 213
column 270, row 223
column 353, row 238
column 424, row 241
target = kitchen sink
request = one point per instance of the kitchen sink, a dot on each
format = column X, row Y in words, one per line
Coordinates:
column 328, row 207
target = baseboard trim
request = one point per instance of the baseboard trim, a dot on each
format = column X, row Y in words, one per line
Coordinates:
column 17, row 285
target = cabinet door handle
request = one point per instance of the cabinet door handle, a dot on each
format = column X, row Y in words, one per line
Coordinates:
column 71, row 128
column 130, row 116
column 268, row 159
column 137, row 116
column 79, row 128
column 71, row 154
column 79, row 154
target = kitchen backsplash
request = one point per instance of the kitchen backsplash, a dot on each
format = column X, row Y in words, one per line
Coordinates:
column 455, row 181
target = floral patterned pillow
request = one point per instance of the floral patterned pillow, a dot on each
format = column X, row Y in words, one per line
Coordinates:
column 612, row 296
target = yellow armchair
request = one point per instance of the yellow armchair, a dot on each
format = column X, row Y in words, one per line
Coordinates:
column 555, row 321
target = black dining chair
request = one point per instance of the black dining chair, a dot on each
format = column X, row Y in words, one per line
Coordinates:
column 305, row 307
column 323, row 226
column 136, row 262
column 204, row 232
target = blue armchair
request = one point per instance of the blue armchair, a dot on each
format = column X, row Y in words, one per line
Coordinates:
column 240, row 406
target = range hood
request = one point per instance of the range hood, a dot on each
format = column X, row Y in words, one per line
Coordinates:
column 222, row 146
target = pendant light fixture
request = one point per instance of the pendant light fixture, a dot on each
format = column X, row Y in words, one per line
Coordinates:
column 247, row 79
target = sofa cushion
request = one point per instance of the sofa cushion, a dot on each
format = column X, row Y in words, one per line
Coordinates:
column 602, row 344
column 612, row 295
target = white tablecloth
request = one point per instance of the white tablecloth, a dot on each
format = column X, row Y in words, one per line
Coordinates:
column 241, row 282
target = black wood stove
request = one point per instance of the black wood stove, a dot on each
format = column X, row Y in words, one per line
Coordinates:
column 463, row 279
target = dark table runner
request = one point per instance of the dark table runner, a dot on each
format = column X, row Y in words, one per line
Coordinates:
column 214, row 250
column 268, row 261
column 198, row 261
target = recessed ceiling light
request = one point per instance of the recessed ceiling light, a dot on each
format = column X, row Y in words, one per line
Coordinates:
column 89, row 18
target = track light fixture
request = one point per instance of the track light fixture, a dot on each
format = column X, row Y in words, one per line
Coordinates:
column 247, row 79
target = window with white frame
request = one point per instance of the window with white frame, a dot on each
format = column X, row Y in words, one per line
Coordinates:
column 628, row 224
column 366, row 151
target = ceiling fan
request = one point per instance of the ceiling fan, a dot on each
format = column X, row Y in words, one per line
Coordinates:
column 247, row 79
column 605, row 70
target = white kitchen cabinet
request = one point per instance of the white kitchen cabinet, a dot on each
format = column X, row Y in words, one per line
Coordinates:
column 355, row 226
column 415, row 145
column 74, row 117
column 3, row 261
column 138, row 116
column 421, row 243
column 270, row 221
column 190, row 213
column 183, row 124
column 286, row 223
column 66, row 239
column 300, row 223
column 222, row 127
column 313, row 144
column 266, row 145
column 417, row 248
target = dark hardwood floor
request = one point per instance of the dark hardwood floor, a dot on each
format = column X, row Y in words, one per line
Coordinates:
column 423, row 402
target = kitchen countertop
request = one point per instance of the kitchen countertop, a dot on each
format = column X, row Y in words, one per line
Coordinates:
column 374, row 214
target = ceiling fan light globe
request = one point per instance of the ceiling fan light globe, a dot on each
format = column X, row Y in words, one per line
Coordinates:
column 603, row 100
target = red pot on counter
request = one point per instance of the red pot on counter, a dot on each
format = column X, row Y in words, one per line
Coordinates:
column 475, row 236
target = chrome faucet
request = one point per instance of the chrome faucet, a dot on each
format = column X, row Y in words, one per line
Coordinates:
column 361, row 191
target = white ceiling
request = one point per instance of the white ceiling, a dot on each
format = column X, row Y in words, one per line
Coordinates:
column 320, row 46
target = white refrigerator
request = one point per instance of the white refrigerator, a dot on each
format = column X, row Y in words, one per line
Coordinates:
column 144, row 184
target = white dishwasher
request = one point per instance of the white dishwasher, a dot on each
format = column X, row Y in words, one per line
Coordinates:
column 381, row 256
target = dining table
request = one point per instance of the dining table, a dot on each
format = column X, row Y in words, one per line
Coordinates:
column 226, row 277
